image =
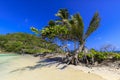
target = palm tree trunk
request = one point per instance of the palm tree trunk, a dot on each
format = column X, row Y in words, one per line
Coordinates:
column 80, row 49
column 74, row 45
column 73, row 58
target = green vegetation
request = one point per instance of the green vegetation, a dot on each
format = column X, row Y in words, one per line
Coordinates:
column 25, row 43
column 71, row 28
column 99, row 56
column 116, row 56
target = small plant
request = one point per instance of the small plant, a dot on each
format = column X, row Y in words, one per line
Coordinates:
column 116, row 56
column 98, row 56
column 81, row 55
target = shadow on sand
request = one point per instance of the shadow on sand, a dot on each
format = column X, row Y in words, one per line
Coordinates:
column 44, row 63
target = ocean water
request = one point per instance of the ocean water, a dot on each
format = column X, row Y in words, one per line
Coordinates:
column 6, row 58
column 5, row 62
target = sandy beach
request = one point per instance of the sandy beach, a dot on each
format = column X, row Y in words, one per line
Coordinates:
column 31, row 68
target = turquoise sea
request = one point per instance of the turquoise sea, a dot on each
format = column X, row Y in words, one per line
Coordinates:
column 5, row 60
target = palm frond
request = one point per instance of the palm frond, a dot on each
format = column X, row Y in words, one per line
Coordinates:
column 78, row 27
column 94, row 24
column 63, row 14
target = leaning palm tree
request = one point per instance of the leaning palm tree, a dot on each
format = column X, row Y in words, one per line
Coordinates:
column 76, row 27
column 78, row 34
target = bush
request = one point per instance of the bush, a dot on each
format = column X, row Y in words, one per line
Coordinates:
column 13, row 46
column 34, row 51
column 17, row 42
column 98, row 56
column 81, row 55
column 116, row 56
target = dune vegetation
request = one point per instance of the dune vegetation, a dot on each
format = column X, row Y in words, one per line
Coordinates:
column 25, row 43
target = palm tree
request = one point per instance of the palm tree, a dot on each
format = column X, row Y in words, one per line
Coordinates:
column 94, row 24
column 77, row 31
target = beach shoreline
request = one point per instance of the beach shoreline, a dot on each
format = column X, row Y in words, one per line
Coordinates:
column 31, row 68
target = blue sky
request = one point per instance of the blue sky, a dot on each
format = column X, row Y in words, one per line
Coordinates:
column 19, row 15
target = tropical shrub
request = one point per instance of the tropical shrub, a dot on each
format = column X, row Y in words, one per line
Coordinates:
column 19, row 42
column 116, row 56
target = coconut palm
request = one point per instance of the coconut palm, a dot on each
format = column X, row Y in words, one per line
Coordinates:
column 78, row 34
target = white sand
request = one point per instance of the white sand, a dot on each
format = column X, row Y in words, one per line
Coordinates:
column 105, row 72
column 28, row 68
